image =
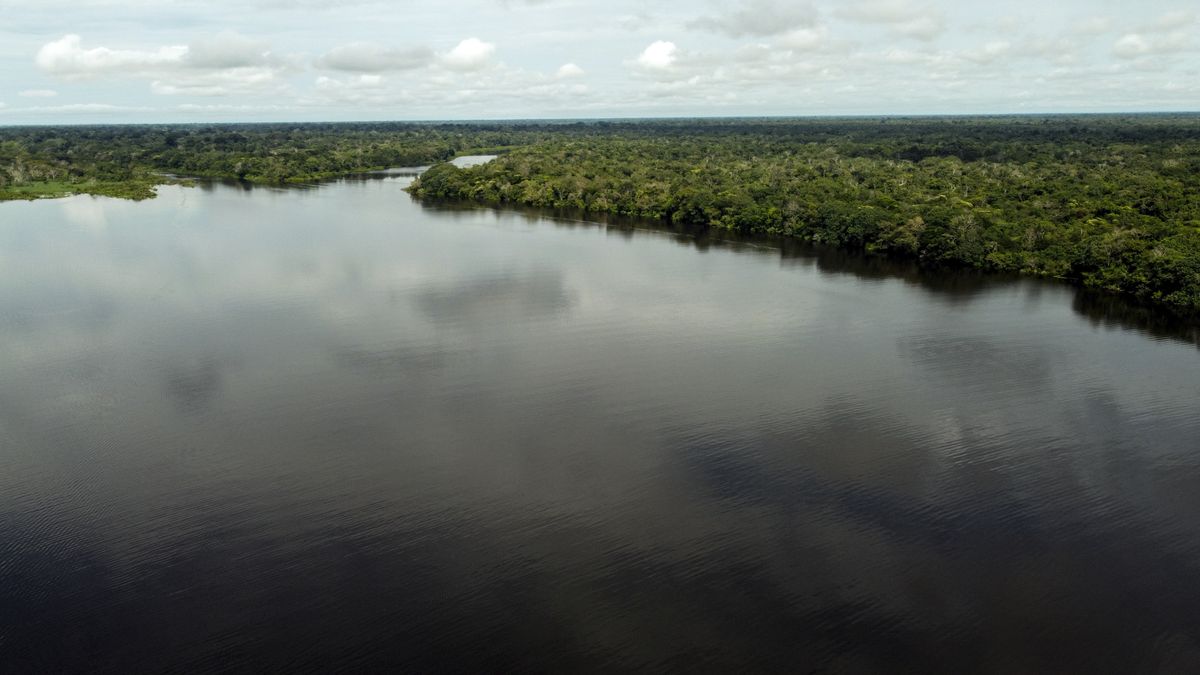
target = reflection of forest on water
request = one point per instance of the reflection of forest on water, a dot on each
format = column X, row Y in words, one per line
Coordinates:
column 344, row 427
column 1101, row 308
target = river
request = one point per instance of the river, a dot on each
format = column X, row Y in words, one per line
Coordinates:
column 331, row 428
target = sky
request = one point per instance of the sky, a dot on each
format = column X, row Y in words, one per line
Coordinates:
column 104, row 61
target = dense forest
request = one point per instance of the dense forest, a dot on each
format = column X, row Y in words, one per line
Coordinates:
column 1111, row 202
column 127, row 160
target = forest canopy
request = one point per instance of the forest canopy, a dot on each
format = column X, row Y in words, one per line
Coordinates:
column 1108, row 201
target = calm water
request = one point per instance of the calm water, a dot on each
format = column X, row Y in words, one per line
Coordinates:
column 331, row 428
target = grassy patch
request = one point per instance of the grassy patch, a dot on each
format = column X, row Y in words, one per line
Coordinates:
column 131, row 189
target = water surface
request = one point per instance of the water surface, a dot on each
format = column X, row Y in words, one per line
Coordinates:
column 330, row 428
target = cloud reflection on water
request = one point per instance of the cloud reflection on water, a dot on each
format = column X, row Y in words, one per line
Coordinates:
column 430, row 438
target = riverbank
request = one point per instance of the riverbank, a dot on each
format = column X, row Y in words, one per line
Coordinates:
column 1162, row 271
column 1118, row 217
column 131, row 189
column 1109, row 202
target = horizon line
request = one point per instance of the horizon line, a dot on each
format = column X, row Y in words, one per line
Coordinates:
column 630, row 118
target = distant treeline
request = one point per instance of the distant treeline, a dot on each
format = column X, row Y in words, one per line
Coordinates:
column 1108, row 201
column 82, row 157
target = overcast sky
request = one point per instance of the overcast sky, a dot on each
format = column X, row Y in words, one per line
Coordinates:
column 196, row 60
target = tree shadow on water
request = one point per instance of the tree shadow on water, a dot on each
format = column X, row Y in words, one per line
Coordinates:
column 956, row 287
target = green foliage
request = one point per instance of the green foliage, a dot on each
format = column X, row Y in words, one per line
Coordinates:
column 256, row 153
column 1111, row 202
column 443, row 181
column 127, row 189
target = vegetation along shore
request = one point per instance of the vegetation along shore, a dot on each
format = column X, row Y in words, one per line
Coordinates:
column 1107, row 201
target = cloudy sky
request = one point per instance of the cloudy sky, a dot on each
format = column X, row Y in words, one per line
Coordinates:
column 197, row 60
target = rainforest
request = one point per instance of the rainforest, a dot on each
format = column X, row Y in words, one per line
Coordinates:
column 1110, row 202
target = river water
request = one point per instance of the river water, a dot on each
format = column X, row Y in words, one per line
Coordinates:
column 331, row 428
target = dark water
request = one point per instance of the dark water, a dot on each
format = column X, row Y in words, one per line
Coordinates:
column 332, row 429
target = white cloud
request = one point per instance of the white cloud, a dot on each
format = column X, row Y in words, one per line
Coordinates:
column 38, row 93
column 220, row 65
column 1171, row 21
column 67, row 56
column 365, row 88
column 989, row 52
column 1136, row 45
column 568, row 70
column 368, row 57
column 470, row 54
column 879, row 11
column 1060, row 51
column 1131, row 45
column 915, row 20
column 759, row 57
column 660, row 55
column 229, row 108
column 903, row 56
column 805, row 39
column 86, row 107
column 760, row 18
column 227, row 50
column 80, row 108
column 922, row 28
column 452, row 91
column 255, row 81
column 1094, row 25
column 1007, row 24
